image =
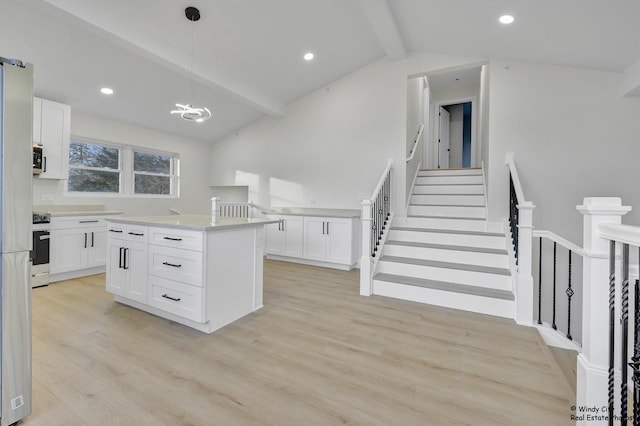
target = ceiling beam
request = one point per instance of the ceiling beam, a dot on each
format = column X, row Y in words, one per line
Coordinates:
column 384, row 25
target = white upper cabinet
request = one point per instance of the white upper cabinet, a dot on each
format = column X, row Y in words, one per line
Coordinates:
column 52, row 130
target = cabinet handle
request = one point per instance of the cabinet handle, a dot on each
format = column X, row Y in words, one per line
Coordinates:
column 126, row 258
column 172, row 264
column 92, row 239
column 175, row 299
column 323, row 228
column 327, row 228
column 115, row 230
column 283, row 225
column 45, row 164
column 280, row 225
column 120, row 258
column 136, row 234
column 85, row 240
column 172, row 239
column 88, row 221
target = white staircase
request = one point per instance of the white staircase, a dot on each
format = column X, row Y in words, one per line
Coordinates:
column 446, row 253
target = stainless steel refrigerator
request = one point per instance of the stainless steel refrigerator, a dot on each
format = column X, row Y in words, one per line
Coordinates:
column 16, row 128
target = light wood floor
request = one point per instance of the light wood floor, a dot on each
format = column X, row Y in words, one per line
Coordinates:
column 316, row 354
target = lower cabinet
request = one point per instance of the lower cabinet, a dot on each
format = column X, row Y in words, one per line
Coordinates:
column 325, row 241
column 127, row 270
column 77, row 244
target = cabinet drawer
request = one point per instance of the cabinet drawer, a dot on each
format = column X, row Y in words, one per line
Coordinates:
column 176, row 298
column 77, row 222
column 137, row 233
column 116, row 231
column 175, row 264
column 178, row 238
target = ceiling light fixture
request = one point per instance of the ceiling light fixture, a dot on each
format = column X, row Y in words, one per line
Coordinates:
column 308, row 56
column 187, row 111
column 506, row 19
column 106, row 91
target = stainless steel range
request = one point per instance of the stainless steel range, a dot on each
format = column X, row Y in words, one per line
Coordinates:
column 40, row 252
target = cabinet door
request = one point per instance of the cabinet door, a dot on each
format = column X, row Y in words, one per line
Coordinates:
column 293, row 235
column 315, row 244
column 115, row 272
column 339, row 240
column 68, row 250
column 136, row 270
column 97, row 247
column 55, row 133
column 275, row 243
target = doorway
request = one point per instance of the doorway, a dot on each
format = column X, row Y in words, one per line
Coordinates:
column 454, row 135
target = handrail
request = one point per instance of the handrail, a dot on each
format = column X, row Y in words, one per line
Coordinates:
column 375, row 192
column 626, row 234
column 509, row 161
column 561, row 241
column 415, row 143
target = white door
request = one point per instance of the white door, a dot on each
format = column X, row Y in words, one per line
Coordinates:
column 443, row 139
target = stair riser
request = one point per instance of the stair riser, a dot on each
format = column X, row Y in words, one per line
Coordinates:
column 453, row 239
column 449, row 172
column 456, row 224
column 452, row 200
column 450, row 211
column 479, row 279
column 449, row 180
column 455, row 256
column 465, row 302
column 448, row 189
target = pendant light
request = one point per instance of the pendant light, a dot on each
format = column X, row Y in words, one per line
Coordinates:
column 189, row 112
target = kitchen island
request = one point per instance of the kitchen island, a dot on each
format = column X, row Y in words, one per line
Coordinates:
column 190, row 269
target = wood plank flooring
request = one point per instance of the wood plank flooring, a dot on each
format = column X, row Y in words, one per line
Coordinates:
column 316, row 354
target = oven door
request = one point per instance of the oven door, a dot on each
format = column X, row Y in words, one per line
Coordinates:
column 40, row 254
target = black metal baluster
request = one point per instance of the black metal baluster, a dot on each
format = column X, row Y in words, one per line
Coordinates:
column 612, row 314
column 635, row 360
column 373, row 233
column 570, row 294
column 625, row 333
column 555, row 261
column 540, row 284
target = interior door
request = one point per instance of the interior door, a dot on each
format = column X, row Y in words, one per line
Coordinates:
column 443, row 139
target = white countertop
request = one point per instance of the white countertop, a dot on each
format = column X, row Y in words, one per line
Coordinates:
column 63, row 210
column 310, row 211
column 84, row 213
column 194, row 222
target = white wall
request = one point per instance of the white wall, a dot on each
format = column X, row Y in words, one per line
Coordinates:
column 573, row 136
column 195, row 193
column 415, row 116
column 332, row 146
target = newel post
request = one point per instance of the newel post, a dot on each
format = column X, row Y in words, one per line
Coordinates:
column 524, row 288
column 215, row 209
column 366, row 285
column 593, row 362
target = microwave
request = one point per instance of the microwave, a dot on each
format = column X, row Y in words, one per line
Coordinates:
column 37, row 159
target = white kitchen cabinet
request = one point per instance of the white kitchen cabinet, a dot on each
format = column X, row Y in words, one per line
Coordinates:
column 127, row 263
column 318, row 240
column 285, row 237
column 78, row 246
column 52, row 130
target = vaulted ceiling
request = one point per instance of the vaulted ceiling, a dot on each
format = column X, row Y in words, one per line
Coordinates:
column 248, row 54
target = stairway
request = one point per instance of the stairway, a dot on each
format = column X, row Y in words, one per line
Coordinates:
column 446, row 253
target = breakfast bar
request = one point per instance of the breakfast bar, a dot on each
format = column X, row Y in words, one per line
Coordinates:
column 200, row 271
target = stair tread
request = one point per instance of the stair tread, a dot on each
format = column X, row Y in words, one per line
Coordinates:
column 445, row 217
column 447, row 265
column 448, row 231
column 447, row 205
column 447, row 247
column 450, row 194
column 446, row 286
column 445, row 184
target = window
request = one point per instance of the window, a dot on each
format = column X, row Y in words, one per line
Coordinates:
column 93, row 168
column 99, row 168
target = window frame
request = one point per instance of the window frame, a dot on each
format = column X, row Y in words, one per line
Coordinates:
column 126, row 171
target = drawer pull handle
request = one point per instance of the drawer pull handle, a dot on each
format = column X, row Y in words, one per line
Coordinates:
column 89, row 221
column 172, row 239
column 115, row 230
column 136, row 234
column 175, row 299
column 172, row 264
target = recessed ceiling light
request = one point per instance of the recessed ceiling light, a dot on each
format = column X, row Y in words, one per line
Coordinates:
column 506, row 19
column 308, row 56
column 106, row 91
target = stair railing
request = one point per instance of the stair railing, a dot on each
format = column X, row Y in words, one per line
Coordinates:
column 223, row 209
column 559, row 279
column 376, row 219
column 609, row 302
column 521, row 228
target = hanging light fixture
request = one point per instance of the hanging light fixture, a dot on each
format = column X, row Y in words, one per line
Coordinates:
column 189, row 112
